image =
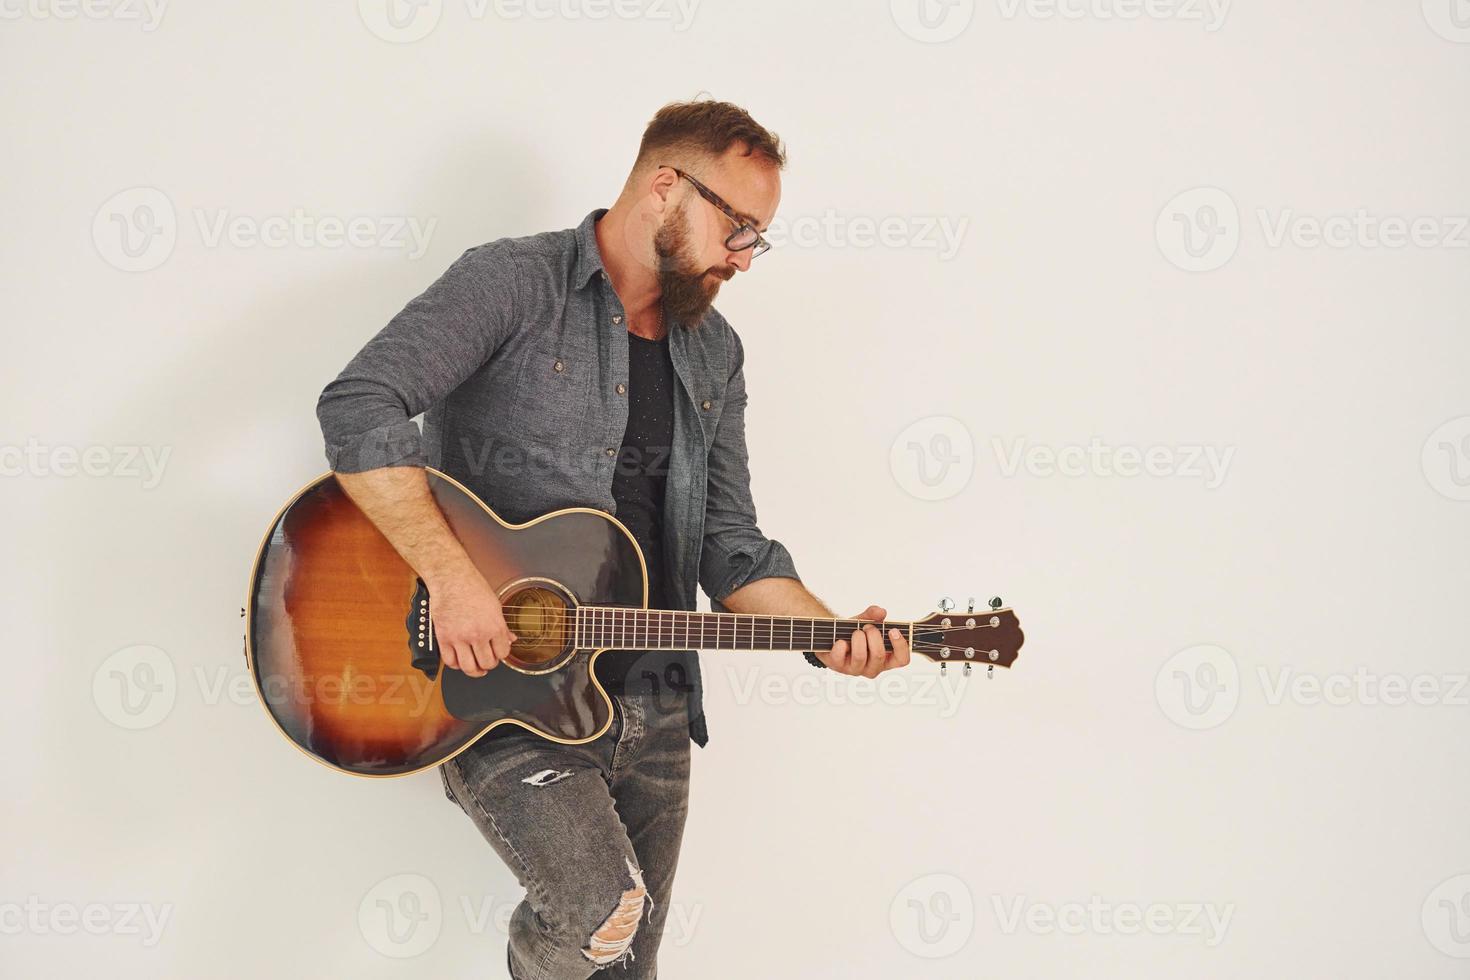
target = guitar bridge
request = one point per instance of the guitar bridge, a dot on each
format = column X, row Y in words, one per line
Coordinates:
column 423, row 652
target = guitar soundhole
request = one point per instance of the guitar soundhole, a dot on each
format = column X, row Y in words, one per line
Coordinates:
column 542, row 620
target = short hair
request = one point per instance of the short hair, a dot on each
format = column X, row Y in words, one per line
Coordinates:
column 705, row 126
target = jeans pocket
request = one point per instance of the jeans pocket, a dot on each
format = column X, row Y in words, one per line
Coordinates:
column 615, row 730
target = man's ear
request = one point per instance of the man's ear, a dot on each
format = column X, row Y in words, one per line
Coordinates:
column 660, row 183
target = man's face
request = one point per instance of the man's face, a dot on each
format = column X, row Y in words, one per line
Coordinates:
column 689, row 244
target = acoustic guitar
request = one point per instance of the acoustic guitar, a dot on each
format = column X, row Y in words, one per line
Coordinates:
column 339, row 633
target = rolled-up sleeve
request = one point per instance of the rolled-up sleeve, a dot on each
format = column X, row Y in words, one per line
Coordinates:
column 437, row 341
column 734, row 551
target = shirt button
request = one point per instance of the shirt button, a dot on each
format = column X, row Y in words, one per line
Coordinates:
column 604, row 276
column 558, row 366
column 705, row 404
column 622, row 389
column 617, row 318
column 610, row 451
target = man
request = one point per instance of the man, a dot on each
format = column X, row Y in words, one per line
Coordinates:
column 587, row 367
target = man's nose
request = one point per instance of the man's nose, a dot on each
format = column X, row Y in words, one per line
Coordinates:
column 740, row 259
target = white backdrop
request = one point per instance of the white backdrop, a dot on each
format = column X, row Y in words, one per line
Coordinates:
column 1148, row 316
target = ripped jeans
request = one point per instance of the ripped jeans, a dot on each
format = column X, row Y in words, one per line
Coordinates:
column 591, row 831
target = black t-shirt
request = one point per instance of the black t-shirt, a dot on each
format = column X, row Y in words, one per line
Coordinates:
column 639, row 479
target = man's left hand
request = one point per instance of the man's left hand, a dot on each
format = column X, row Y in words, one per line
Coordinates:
column 864, row 654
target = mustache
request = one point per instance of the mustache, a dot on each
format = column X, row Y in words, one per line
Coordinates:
column 725, row 272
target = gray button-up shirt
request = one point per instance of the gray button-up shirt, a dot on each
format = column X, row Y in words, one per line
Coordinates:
column 518, row 356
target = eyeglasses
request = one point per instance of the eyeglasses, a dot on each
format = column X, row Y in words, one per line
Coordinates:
column 744, row 236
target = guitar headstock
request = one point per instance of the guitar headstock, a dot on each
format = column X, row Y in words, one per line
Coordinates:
column 987, row 637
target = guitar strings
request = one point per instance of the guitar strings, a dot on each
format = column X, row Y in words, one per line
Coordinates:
column 573, row 630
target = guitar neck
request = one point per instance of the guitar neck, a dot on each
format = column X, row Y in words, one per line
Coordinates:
column 625, row 628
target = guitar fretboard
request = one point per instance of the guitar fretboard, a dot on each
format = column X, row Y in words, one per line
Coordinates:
column 623, row 628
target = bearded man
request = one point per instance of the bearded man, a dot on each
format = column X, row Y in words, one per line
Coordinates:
column 587, row 368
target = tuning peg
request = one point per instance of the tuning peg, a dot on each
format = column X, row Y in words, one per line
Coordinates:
column 946, row 604
column 995, row 602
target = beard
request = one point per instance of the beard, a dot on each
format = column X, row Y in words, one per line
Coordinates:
column 687, row 289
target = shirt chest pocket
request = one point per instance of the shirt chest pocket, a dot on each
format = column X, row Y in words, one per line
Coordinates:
column 552, row 399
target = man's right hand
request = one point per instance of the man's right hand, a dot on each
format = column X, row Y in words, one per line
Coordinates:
column 469, row 626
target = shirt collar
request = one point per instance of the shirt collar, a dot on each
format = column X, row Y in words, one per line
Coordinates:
column 589, row 256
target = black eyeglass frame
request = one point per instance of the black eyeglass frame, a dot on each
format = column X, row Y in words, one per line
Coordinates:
column 760, row 244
